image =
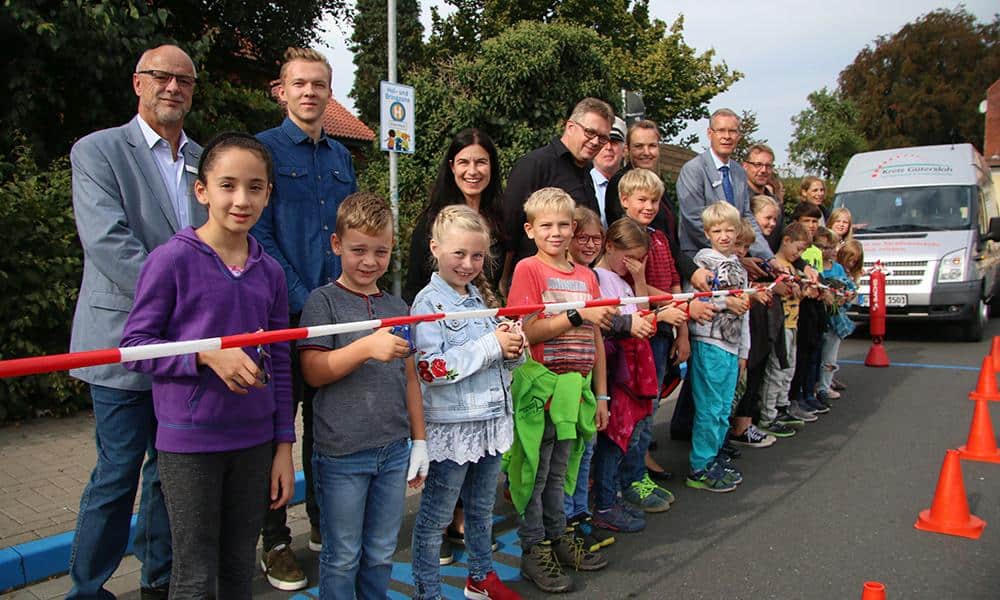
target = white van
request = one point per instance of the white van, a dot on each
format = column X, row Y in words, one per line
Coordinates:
column 930, row 215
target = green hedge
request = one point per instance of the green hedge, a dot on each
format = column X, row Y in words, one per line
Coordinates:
column 40, row 266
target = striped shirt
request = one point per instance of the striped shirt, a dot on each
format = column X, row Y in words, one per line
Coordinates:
column 534, row 282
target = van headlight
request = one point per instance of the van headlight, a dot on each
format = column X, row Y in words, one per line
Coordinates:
column 952, row 266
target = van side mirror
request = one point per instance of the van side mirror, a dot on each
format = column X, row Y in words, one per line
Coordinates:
column 994, row 233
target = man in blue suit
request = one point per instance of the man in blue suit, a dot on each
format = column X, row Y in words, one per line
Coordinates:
column 711, row 177
column 132, row 190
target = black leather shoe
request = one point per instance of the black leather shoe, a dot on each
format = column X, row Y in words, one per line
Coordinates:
column 159, row 593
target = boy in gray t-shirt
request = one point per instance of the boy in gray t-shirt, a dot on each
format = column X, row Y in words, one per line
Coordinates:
column 366, row 408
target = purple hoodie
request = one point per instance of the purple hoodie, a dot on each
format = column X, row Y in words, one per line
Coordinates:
column 185, row 292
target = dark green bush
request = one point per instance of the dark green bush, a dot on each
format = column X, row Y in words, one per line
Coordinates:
column 40, row 266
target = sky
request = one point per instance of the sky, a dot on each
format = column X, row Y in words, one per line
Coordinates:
column 785, row 49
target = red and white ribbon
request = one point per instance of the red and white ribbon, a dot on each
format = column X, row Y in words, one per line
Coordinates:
column 74, row 360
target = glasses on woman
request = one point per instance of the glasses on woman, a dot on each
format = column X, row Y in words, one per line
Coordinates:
column 585, row 240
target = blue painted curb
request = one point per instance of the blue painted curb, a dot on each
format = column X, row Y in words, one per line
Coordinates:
column 34, row 561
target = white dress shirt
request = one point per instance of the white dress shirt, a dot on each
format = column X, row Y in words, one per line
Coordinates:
column 172, row 171
column 601, row 189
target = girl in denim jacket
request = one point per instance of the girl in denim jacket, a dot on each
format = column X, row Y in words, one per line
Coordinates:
column 465, row 370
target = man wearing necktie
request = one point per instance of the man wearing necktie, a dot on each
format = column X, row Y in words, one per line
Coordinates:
column 710, row 177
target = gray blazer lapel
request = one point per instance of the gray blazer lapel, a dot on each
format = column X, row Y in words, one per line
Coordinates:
column 192, row 156
column 714, row 179
column 151, row 173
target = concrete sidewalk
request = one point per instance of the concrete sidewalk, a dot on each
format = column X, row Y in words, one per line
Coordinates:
column 44, row 466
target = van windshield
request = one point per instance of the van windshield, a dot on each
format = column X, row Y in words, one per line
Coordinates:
column 909, row 209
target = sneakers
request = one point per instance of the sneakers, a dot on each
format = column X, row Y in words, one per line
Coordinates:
column 447, row 554
column 752, row 438
column 315, row 539
column 641, row 495
column 777, row 429
column 801, row 413
column 787, row 419
column 282, row 570
column 458, row 537
column 830, row 394
column 816, row 405
column 602, row 537
column 490, row 588
column 660, row 491
column 616, row 519
column 730, row 472
column 540, row 566
column 571, row 553
column 730, row 450
column 838, row 385
column 710, row 480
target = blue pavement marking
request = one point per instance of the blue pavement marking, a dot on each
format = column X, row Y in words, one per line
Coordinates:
column 917, row 365
column 34, row 561
column 402, row 572
column 11, row 569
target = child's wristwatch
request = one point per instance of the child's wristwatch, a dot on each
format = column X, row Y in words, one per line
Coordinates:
column 575, row 319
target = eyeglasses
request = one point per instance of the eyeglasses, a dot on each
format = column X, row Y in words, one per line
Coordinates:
column 583, row 240
column 761, row 165
column 262, row 357
column 592, row 133
column 164, row 77
column 727, row 132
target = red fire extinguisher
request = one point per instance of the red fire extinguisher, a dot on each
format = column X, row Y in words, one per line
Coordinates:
column 877, row 356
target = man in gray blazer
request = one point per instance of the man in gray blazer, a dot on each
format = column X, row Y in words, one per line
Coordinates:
column 132, row 190
column 711, row 177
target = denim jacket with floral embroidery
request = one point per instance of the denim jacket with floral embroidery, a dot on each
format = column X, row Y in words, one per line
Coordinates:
column 463, row 375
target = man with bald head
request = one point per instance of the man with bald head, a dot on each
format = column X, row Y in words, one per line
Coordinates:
column 132, row 190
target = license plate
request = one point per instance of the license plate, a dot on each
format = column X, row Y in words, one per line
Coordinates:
column 893, row 300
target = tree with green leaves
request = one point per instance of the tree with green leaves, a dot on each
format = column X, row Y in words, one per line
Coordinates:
column 496, row 88
column 646, row 55
column 369, row 43
column 748, row 129
column 826, row 134
column 69, row 63
column 923, row 84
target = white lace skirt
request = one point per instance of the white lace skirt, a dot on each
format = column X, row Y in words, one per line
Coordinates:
column 470, row 440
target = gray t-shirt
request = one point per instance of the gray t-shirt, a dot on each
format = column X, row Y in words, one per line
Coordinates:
column 367, row 408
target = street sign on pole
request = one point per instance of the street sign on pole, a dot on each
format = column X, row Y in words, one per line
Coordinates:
column 396, row 130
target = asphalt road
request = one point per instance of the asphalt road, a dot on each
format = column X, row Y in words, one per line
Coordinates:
column 819, row 513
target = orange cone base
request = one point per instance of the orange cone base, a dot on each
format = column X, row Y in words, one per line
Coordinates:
column 971, row 529
column 873, row 590
column 965, row 454
column 877, row 356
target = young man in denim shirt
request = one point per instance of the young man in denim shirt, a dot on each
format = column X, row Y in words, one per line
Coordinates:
column 313, row 175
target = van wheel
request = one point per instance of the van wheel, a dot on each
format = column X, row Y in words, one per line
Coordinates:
column 972, row 330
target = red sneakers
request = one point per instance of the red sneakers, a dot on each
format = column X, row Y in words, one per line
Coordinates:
column 490, row 588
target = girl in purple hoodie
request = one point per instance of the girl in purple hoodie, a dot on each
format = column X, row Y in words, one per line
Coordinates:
column 225, row 425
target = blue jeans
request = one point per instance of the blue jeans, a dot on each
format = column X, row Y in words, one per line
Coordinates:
column 577, row 504
column 361, row 502
column 713, row 375
column 125, row 431
column 607, row 460
column 476, row 483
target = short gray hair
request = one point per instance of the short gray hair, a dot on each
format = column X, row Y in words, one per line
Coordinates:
column 725, row 112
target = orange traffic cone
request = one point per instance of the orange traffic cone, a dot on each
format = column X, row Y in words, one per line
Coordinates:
column 982, row 444
column 949, row 513
column 995, row 352
column 873, row 590
column 986, row 388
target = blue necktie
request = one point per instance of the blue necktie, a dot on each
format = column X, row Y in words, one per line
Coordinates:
column 727, row 185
